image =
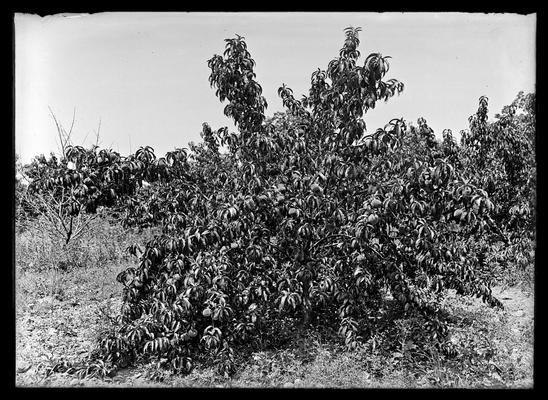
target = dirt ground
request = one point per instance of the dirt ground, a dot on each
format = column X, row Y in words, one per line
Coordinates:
column 66, row 324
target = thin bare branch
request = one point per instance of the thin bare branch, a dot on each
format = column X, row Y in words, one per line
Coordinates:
column 83, row 225
column 72, row 123
column 85, row 137
column 334, row 236
column 64, row 137
column 97, row 134
column 59, row 132
column 69, row 233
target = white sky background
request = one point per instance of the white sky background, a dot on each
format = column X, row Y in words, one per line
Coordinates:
column 145, row 75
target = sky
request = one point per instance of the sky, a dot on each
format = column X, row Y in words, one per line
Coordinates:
column 143, row 77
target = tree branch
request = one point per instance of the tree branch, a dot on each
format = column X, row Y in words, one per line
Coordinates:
column 497, row 230
column 333, row 236
column 59, row 132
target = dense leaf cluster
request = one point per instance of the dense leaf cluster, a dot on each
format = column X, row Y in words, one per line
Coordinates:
column 305, row 215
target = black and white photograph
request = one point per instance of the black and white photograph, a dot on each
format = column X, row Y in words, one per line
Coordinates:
column 276, row 200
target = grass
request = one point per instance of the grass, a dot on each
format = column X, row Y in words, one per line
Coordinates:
column 60, row 314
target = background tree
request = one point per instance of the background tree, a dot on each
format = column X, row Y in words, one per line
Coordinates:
column 500, row 156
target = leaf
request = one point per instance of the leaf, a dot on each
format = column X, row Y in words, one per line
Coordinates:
column 282, row 303
column 293, row 212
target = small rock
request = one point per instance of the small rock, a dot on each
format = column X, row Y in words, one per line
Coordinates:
column 287, row 385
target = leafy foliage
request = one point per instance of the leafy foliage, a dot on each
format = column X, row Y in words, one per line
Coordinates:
column 500, row 156
column 506, row 148
column 304, row 216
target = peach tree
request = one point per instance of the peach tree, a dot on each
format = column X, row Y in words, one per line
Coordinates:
column 504, row 150
column 499, row 155
column 303, row 217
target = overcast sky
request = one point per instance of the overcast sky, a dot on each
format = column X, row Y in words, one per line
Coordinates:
column 145, row 75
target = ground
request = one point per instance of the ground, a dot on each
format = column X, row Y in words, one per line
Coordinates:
column 60, row 314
